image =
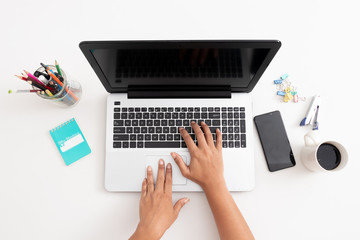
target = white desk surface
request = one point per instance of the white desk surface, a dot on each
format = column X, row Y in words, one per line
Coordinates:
column 41, row 198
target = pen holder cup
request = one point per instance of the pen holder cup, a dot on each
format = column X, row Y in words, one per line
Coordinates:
column 66, row 95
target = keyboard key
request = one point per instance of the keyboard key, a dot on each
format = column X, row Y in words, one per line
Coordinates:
column 162, row 137
column 144, row 109
column 137, row 109
column 162, row 144
column 117, row 103
column 127, row 122
column 166, row 129
column 154, row 137
column 132, row 144
column 243, row 140
column 242, row 109
column 215, row 122
column 158, row 129
column 140, row 144
column 147, row 137
column 116, row 115
column 123, row 115
column 117, row 145
column 242, row 126
column 121, row 137
column 140, row 137
column 125, row 144
column 242, row 115
column 169, row 137
column 124, row 109
column 118, row 122
column 129, row 130
column 116, row 109
column 132, row 137
column 214, row 115
column 119, row 129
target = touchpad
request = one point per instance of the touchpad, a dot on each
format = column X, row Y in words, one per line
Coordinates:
column 153, row 161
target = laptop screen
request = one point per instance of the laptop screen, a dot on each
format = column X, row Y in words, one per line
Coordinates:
column 230, row 64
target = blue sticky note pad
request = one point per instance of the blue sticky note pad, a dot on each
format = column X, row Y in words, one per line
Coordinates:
column 70, row 141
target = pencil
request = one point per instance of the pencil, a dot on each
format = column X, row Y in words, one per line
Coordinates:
column 49, row 93
column 58, row 68
column 34, row 78
column 59, row 82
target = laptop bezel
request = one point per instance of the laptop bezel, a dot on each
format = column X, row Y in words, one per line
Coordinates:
column 86, row 47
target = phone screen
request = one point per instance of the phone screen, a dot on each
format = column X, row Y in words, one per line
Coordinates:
column 274, row 141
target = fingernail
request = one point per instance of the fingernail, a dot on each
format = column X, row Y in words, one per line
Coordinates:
column 161, row 162
column 149, row 168
column 192, row 122
column 186, row 200
column 168, row 166
column 173, row 155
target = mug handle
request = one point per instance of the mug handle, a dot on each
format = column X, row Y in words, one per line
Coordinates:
column 311, row 139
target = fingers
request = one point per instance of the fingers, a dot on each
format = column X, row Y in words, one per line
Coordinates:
column 179, row 204
column 150, row 179
column 199, row 134
column 160, row 176
column 184, row 169
column 168, row 179
column 143, row 188
column 208, row 134
column 218, row 140
column 188, row 140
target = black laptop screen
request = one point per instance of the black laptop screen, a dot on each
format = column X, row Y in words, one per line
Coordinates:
column 236, row 65
column 180, row 66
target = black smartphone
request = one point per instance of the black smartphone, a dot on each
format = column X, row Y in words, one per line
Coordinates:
column 274, row 141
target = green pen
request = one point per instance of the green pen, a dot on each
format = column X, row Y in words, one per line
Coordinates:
column 58, row 68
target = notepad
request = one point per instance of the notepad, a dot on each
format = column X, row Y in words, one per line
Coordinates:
column 70, row 141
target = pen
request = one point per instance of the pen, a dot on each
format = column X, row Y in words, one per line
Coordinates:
column 316, row 119
column 24, row 91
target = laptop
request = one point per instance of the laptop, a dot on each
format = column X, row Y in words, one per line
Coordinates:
column 158, row 86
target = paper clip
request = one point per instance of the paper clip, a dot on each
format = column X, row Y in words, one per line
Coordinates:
column 277, row 81
column 280, row 93
column 284, row 76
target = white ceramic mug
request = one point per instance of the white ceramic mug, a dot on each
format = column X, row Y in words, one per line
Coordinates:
column 309, row 153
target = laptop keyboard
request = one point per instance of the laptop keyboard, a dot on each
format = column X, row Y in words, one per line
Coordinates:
column 158, row 127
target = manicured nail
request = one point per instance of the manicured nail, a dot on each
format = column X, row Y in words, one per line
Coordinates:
column 149, row 168
column 168, row 166
column 161, row 162
column 173, row 155
column 186, row 200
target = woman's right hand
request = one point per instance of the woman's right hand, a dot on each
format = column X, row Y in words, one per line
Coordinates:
column 206, row 165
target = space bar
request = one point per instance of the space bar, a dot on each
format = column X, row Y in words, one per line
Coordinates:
column 162, row 144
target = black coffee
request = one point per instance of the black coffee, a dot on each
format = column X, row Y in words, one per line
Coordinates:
column 328, row 156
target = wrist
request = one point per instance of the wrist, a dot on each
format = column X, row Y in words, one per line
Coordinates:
column 215, row 184
column 144, row 233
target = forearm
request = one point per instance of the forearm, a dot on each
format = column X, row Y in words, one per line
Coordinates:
column 228, row 218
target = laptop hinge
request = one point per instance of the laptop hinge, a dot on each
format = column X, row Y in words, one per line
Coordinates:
column 179, row 92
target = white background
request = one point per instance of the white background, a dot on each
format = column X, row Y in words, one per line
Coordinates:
column 41, row 198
